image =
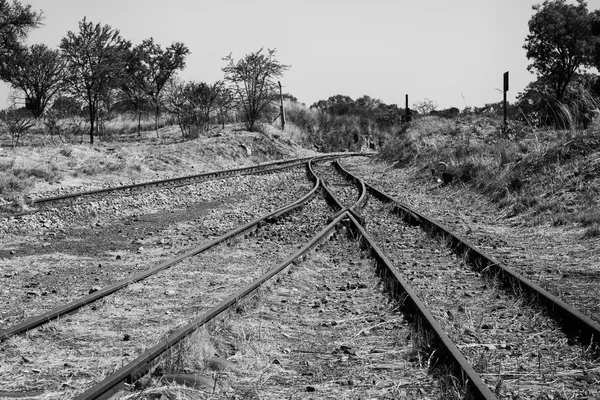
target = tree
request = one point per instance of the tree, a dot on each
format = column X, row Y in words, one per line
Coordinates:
column 223, row 104
column 202, row 97
column 539, row 106
column 336, row 105
column 150, row 68
column 560, row 41
column 425, row 107
column 134, row 87
column 95, row 64
column 193, row 102
column 16, row 20
column 254, row 82
column 37, row 71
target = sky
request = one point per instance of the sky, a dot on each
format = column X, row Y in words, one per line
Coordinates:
column 453, row 52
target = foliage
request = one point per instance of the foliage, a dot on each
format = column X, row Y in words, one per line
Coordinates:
column 560, row 41
column 425, row 107
column 449, row 113
column 336, row 105
column 135, row 86
column 538, row 106
column 340, row 123
column 95, row 64
column 37, row 71
column 16, row 20
column 150, row 68
column 253, row 80
column 193, row 103
column 223, row 104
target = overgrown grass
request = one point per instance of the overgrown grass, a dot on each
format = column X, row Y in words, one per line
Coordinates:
column 547, row 174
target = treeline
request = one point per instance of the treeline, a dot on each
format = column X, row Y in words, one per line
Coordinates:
column 342, row 123
column 97, row 73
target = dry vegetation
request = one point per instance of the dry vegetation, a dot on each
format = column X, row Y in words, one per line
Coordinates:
column 48, row 162
column 541, row 174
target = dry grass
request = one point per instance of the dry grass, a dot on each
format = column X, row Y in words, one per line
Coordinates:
column 541, row 174
column 28, row 169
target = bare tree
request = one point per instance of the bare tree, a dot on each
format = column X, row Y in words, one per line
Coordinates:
column 95, row 63
column 254, row 82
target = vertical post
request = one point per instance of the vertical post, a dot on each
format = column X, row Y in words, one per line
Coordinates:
column 504, row 100
column 281, row 107
column 406, row 110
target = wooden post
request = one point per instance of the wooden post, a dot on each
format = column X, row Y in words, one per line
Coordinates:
column 504, row 100
column 281, row 114
column 407, row 111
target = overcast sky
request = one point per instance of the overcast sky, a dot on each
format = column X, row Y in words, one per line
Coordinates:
column 453, row 52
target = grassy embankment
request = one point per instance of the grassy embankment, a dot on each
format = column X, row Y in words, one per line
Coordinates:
column 542, row 175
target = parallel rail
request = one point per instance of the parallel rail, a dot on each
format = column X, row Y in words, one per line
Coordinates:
column 190, row 179
column 39, row 320
column 448, row 353
column 573, row 322
column 141, row 365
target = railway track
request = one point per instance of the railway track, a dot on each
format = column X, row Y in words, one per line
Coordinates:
column 354, row 299
column 120, row 243
column 89, row 195
column 114, row 318
column 519, row 338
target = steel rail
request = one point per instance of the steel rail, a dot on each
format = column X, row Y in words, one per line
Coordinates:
column 573, row 322
column 90, row 298
column 360, row 185
column 329, row 197
column 337, row 205
column 462, row 369
column 139, row 366
column 449, row 353
column 280, row 164
column 410, row 302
